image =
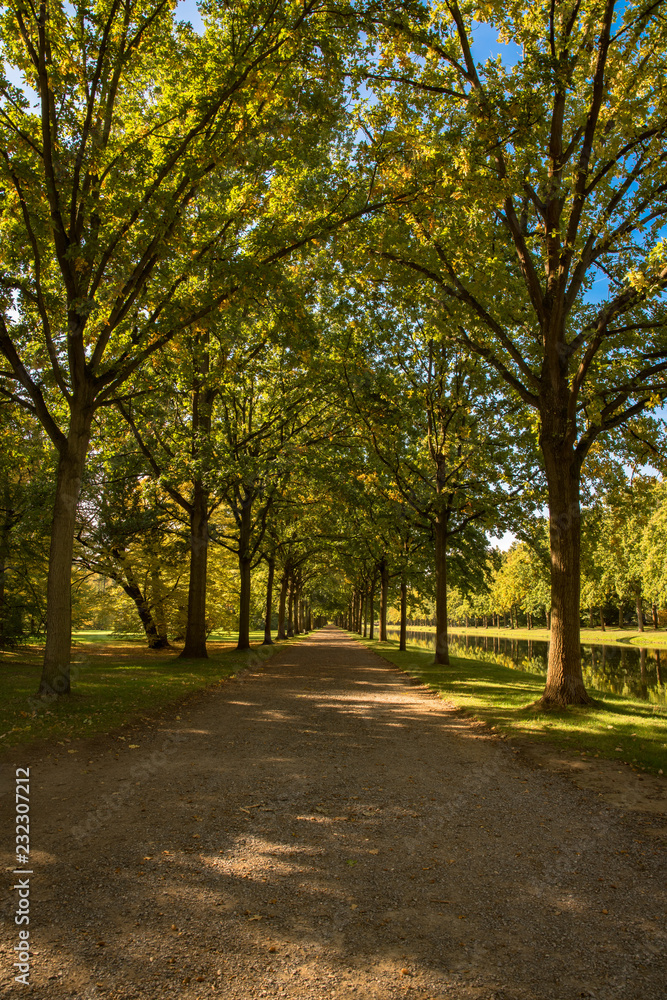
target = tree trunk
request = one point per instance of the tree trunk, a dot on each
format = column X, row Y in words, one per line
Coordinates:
column 640, row 610
column 290, row 608
column 202, row 401
column 145, row 616
column 654, row 608
column 195, row 633
column 441, row 637
column 131, row 587
column 158, row 604
column 268, row 641
column 55, row 679
column 296, row 606
column 402, row 645
column 602, row 624
column 245, row 560
column 384, row 591
column 620, row 614
column 565, row 683
column 5, row 534
column 284, row 585
column 371, row 600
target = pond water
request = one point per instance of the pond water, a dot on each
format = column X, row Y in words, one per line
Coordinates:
column 634, row 671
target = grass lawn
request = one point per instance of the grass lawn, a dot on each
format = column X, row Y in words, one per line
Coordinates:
column 625, row 729
column 589, row 636
column 113, row 682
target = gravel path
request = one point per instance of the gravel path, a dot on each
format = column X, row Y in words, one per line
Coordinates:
column 323, row 828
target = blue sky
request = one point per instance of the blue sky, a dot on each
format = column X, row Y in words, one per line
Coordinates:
column 485, row 36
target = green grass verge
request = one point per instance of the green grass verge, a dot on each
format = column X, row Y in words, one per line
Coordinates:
column 632, row 731
column 111, row 686
column 589, row 636
column 82, row 636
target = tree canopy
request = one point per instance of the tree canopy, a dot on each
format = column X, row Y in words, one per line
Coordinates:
column 322, row 292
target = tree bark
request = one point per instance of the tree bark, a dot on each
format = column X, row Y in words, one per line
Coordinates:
column 202, row 402
column 603, row 627
column 654, row 608
column 158, row 604
column 284, row 585
column 5, row 533
column 296, row 603
column 402, row 643
column 638, row 604
column 268, row 641
column 371, row 602
column 245, row 560
column 620, row 614
column 565, row 683
column 131, row 587
column 441, row 637
column 365, row 613
column 55, row 679
column 195, row 632
column 290, row 610
column 384, row 591
column 146, row 618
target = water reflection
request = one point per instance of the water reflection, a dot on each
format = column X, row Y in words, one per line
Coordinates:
column 633, row 671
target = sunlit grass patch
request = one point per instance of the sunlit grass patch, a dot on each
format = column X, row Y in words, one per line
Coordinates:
column 112, row 684
column 612, row 636
column 618, row 728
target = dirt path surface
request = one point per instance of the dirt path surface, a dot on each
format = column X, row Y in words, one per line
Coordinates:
column 322, row 828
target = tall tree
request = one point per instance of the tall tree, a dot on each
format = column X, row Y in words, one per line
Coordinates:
column 107, row 252
column 537, row 223
column 438, row 430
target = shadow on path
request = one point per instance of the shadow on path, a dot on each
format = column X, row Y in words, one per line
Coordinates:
column 322, row 828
